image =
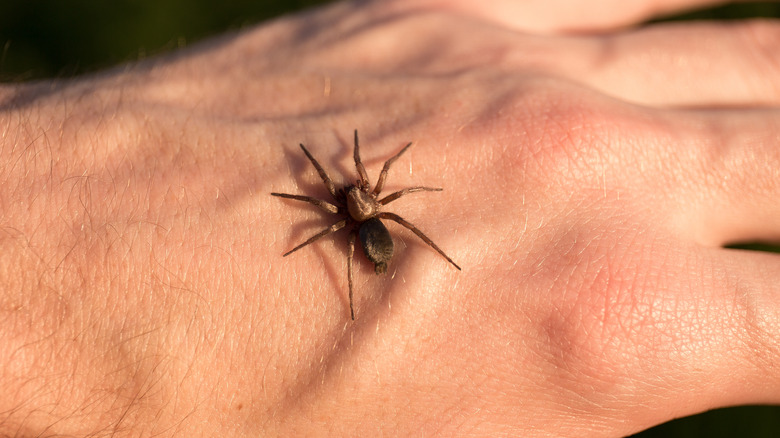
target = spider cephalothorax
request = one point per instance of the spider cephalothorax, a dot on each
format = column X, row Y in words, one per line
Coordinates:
column 361, row 208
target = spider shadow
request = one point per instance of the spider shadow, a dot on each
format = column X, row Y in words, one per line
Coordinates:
column 309, row 182
column 302, row 230
column 372, row 292
column 376, row 294
column 385, row 288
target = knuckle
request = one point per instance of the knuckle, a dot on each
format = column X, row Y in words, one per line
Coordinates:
column 758, row 334
column 570, row 136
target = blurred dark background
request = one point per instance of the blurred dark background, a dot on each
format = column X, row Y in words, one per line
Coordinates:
column 48, row 38
column 62, row 38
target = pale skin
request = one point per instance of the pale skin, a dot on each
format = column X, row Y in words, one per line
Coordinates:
column 590, row 181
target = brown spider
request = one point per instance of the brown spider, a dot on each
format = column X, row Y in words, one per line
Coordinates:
column 360, row 208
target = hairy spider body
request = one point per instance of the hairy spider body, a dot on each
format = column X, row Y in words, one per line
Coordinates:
column 361, row 208
column 377, row 243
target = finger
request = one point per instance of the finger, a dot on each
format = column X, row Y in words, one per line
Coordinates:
column 694, row 64
column 663, row 333
column 672, row 64
column 719, row 323
column 723, row 177
column 750, row 306
column 556, row 16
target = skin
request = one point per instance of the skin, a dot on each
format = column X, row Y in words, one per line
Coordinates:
column 590, row 180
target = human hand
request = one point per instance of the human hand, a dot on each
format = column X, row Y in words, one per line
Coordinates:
column 589, row 183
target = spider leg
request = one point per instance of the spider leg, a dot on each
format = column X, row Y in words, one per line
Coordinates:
column 402, row 221
column 392, row 197
column 380, row 183
column 361, row 170
column 324, row 175
column 335, row 227
column 324, row 205
column 350, row 254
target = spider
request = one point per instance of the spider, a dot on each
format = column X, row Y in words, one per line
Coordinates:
column 361, row 208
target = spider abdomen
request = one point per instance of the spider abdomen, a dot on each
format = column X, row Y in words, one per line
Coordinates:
column 377, row 243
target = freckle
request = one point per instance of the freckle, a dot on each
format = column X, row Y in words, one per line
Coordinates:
column 239, row 406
